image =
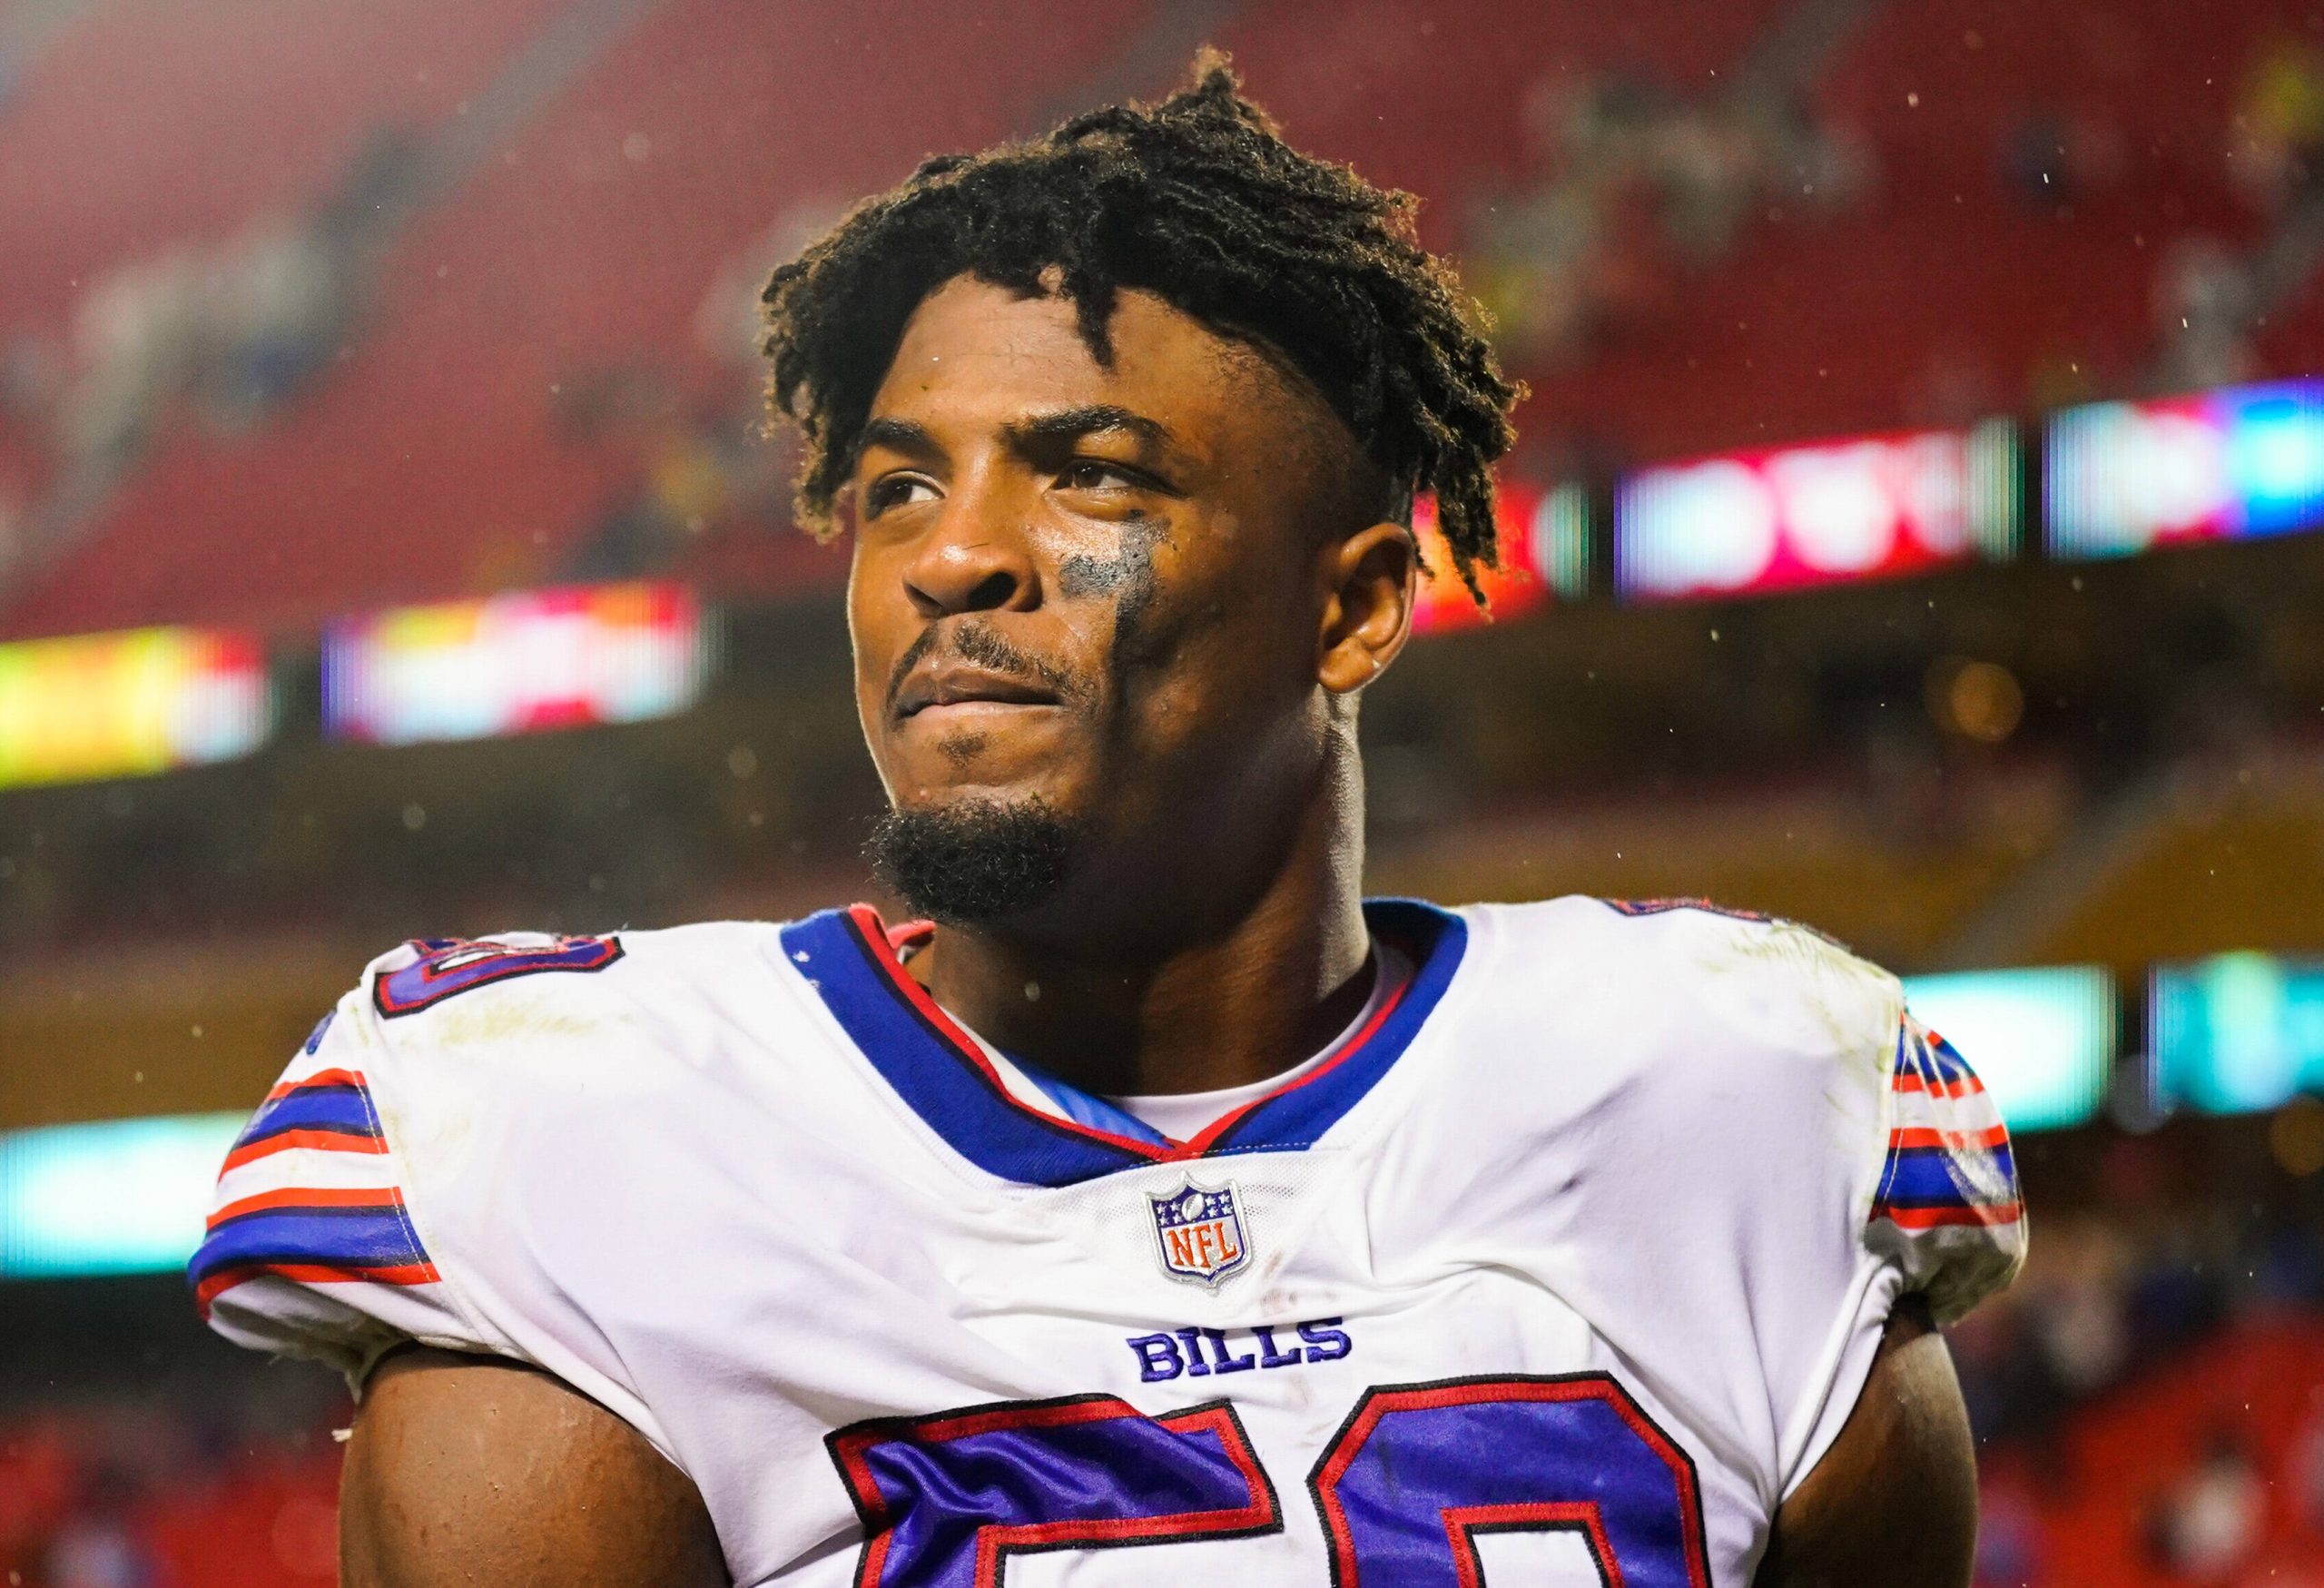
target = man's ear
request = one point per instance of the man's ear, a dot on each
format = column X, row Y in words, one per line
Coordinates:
column 1368, row 581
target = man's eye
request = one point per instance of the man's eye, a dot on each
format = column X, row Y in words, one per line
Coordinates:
column 1096, row 474
column 896, row 490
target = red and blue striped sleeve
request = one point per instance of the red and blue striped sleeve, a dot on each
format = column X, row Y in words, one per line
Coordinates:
column 1947, row 1211
column 308, row 1193
column 311, row 1247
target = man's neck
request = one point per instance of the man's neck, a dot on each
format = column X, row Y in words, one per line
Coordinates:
column 1280, row 980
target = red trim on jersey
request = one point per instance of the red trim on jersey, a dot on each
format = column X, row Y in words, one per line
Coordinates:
column 381, row 1197
column 850, row 1448
column 903, row 936
column 321, row 1141
column 1217, row 1419
column 886, row 942
column 1220, row 1126
column 875, row 936
column 1464, row 1523
column 353, row 1077
column 1913, row 1080
column 1909, row 1136
column 1936, row 1218
column 225, row 1279
column 1348, row 1444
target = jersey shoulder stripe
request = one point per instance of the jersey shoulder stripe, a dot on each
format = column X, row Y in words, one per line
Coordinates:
column 286, row 1205
column 330, row 1109
column 310, row 1234
column 1949, row 1160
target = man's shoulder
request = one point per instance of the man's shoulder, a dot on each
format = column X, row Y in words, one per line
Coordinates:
column 595, row 1015
column 433, row 976
column 481, row 1141
column 515, row 1057
column 1684, row 977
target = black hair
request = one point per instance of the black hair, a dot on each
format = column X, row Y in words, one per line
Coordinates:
column 1200, row 202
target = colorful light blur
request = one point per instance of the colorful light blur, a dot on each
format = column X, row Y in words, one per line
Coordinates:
column 515, row 664
column 1830, row 512
column 2237, row 1033
column 120, row 1196
column 1544, row 538
column 2240, row 463
column 2042, row 1040
column 130, row 704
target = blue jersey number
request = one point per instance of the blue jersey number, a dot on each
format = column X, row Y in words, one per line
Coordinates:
column 1420, row 1470
column 946, row 1499
column 450, row 965
column 1415, row 1476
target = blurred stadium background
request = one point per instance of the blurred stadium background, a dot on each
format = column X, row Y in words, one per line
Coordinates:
column 1910, row 534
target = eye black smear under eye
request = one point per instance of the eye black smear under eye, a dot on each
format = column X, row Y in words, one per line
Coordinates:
column 1128, row 574
column 1128, row 577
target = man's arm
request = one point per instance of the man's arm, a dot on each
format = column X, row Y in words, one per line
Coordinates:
column 1895, row 1500
column 467, row 1471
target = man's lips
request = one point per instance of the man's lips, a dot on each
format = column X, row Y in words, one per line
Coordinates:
column 954, row 684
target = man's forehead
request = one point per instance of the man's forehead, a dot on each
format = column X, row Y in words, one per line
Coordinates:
column 977, row 357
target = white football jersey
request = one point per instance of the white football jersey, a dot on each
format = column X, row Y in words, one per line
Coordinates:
column 1564, row 1268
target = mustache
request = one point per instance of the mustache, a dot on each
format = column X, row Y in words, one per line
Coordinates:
column 981, row 645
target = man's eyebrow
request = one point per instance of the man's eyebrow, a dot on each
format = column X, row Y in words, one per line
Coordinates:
column 897, row 436
column 1070, row 424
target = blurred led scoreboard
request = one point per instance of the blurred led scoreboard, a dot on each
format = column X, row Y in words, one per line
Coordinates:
column 2118, row 479
column 131, row 704
column 116, row 1197
column 513, row 664
column 2240, row 463
column 2041, row 1039
column 1543, row 537
column 2237, row 1033
column 1830, row 512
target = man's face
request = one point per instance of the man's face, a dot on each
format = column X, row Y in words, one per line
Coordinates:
column 1091, row 592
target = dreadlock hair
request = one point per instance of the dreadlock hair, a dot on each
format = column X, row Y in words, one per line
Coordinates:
column 1200, row 202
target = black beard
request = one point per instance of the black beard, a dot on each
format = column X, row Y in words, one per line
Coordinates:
column 974, row 862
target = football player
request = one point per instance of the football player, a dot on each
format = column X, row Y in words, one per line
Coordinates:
column 1151, row 1206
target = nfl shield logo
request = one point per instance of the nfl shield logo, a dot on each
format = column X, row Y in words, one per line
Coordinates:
column 1199, row 1232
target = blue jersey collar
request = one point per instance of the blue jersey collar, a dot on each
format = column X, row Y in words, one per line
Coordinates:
column 939, row 1070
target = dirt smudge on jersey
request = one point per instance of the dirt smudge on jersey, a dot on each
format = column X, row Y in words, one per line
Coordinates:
column 484, row 1021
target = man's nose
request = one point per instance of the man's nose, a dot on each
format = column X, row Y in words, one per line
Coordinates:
column 975, row 559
